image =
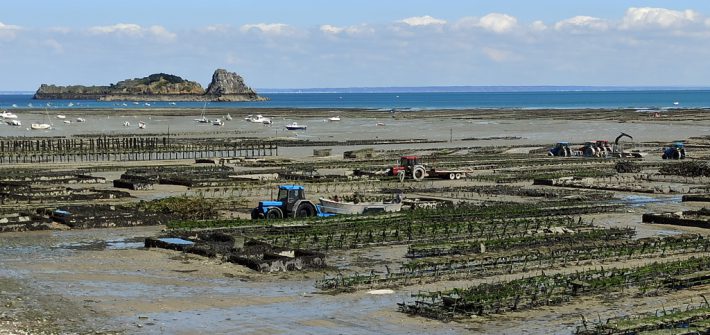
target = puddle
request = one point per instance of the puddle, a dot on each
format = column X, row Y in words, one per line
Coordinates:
column 643, row 200
column 97, row 245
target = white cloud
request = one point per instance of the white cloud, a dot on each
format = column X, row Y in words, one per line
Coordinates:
column 119, row 28
column 8, row 31
column 350, row 30
column 538, row 26
column 217, row 28
column 499, row 23
column 494, row 22
column 422, row 21
column 160, row 33
column 329, row 29
column 268, row 28
column 579, row 24
column 657, row 17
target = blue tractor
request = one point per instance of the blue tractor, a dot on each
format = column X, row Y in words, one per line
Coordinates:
column 675, row 151
column 290, row 202
column 561, row 149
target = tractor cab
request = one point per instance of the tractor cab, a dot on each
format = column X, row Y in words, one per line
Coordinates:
column 289, row 194
column 560, row 149
column 405, row 163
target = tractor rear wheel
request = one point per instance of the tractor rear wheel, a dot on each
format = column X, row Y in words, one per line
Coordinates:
column 458, row 175
column 452, row 176
column 274, row 213
column 418, row 173
column 305, row 210
column 676, row 154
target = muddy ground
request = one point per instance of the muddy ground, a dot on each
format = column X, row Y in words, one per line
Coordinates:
column 102, row 280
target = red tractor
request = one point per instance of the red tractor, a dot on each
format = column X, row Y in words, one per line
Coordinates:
column 408, row 166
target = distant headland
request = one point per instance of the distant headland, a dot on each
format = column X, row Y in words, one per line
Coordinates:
column 225, row 86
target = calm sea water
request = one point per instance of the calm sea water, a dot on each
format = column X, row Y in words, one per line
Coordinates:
column 459, row 100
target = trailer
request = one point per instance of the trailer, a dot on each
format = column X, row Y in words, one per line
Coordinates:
column 409, row 166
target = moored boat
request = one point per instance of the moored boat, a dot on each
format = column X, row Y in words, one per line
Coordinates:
column 13, row 122
column 218, row 122
column 296, row 126
column 342, row 207
column 258, row 119
column 334, row 118
column 40, row 126
column 8, row 115
column 141, row 125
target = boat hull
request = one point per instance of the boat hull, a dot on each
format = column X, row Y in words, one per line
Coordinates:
column 336, row 207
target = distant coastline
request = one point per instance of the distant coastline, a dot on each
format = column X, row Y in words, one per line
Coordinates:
column 455, row 89
column 225, row 86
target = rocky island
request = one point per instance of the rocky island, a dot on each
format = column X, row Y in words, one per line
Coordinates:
column 225, row 86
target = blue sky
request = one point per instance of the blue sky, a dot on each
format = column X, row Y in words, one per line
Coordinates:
column 279, row 44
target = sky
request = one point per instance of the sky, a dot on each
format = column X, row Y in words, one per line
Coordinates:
column 366, row 43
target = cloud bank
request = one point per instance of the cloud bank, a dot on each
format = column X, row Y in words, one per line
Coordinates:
column 641, row 46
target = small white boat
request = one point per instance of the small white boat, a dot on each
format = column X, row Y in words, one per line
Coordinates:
column 172, row 103
column 124, row 104
column 126, row 123
column 296, row 126
column 40, row 126
column 228, row 117
column 258, row 119
column 8, row 115
column 146, row 104
column 342, row 207
column 67, row 121
column 380, row 124
column 202, row 118
column 218, row 122
column 80, row 119
column 70, row 104
column 136, row 103
column 141, row 125
column 14, row 105
column 334, row 118
column 29, row 104
column 13, row 122
column 676, row 103
column 60, row 116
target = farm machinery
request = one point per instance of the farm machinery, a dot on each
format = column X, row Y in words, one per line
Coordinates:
column 410, row 167
column 290, row 202
column 598, row 148
column 674, row 151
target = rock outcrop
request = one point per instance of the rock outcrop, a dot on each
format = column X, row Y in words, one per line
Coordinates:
column 225, row 86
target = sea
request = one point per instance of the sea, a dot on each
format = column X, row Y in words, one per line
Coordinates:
column 577, row 99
